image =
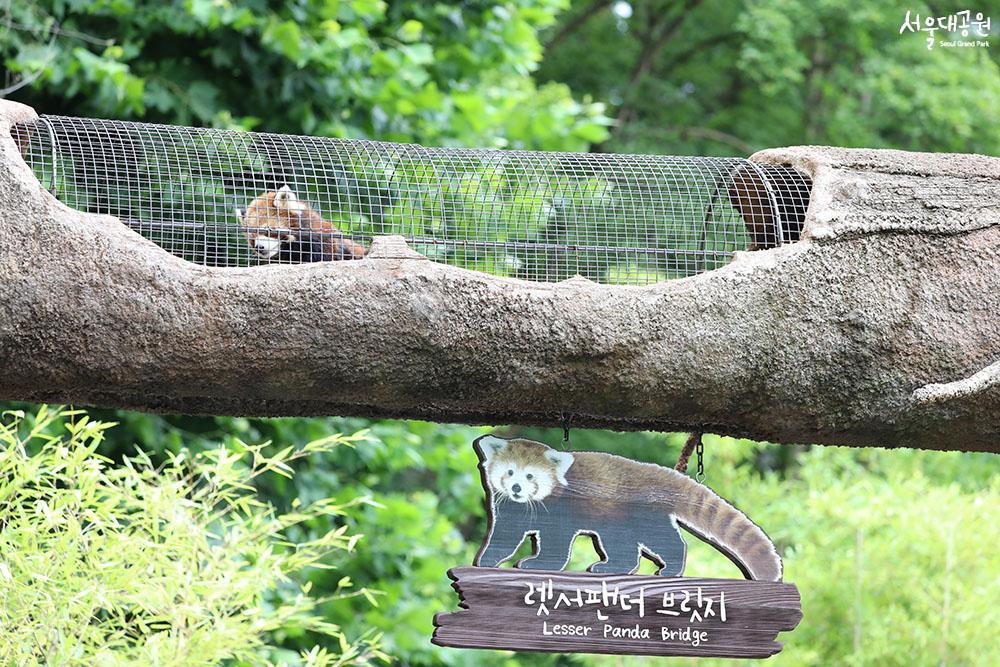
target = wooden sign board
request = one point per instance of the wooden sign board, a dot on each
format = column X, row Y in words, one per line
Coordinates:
column 580, row 612
column 631, row 511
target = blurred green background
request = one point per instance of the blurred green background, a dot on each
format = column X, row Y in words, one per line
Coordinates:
column 895, row 553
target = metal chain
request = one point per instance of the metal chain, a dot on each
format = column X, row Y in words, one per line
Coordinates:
column 700, row 453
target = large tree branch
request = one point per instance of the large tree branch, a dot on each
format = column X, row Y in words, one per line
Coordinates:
column 577, row 21
column 719, row 136
column 895, row 285
column 662, row 27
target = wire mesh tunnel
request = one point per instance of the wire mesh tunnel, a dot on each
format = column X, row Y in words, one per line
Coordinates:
column 230, row 198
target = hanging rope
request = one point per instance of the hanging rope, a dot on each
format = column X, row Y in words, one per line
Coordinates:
column 693, row 442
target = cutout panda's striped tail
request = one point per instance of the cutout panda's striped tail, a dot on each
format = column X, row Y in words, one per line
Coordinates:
column 712, row 519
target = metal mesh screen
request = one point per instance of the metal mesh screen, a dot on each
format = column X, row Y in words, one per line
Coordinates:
column 228, row 198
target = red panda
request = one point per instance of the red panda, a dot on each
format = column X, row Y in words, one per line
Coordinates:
column 630, row 509
column 281, row 226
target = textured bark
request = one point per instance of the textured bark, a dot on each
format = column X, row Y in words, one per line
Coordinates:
column 880, row 327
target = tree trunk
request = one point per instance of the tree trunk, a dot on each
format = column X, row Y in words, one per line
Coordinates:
column 880, row 327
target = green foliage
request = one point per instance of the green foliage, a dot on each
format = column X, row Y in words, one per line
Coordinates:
column 404, row 71
column 737, row 76
column 894, row 552
column 426, row 513
column 178, row 563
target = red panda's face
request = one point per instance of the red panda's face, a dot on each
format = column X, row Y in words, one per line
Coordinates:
column 265, row 245
column 522, row 470
column 270, row 219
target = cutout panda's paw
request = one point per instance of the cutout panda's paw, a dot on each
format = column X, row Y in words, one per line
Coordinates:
column 540, row 564
column 671, row 571
column 604, row 567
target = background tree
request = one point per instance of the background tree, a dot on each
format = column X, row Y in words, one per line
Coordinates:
column 403, row 71
column 874, row 539
column 729, row 77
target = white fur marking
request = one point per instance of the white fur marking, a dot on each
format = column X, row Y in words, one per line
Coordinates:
column 266, row 246
column 491, row 446
column 562, row 461
column 286, row 199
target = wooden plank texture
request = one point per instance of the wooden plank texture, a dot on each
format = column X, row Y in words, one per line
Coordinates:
column 581, row 612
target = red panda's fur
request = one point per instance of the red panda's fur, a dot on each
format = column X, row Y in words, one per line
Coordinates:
column 286, row 214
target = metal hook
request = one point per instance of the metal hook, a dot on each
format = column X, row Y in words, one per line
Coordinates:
column 565, row 422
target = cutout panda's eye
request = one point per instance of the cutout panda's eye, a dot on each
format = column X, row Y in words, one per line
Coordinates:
column 530, row 476
column 510, row 472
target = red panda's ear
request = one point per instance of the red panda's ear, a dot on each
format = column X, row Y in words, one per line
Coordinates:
column 562, row 462
column 239, row 214
column 489, row 446
column 284, row 194
column 286, row 199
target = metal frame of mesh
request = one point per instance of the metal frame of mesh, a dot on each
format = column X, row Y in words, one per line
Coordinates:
column 620, row 219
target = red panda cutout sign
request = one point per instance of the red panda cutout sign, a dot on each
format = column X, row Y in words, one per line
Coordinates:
column 630, row 510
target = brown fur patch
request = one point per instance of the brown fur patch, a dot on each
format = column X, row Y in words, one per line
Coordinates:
column 263, row 213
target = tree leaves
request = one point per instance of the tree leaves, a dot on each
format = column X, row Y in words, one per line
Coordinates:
column 742, row 76
column 360, row 69
column 176, row 563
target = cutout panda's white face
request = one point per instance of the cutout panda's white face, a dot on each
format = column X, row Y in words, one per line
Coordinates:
column 522, row 484
column 523, row 471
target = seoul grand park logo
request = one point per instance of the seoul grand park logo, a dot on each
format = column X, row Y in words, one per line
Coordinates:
column 961, row 30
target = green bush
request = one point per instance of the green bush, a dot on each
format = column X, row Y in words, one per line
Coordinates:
column 921, row 583
column 179, row 563
column 408, row 70
column 894, row 552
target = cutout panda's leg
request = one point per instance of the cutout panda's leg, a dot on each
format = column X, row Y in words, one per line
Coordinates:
column 620, row 556
column 500, row 545
column 666, row 548
column 554, row 545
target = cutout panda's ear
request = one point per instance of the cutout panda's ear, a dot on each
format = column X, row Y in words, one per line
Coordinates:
column 489, row 446
column 562, row 461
